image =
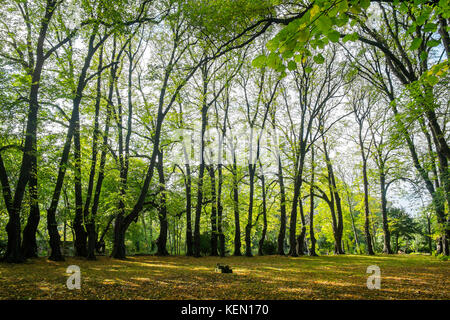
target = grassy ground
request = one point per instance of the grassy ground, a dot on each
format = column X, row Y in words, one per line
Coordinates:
column 271, row 277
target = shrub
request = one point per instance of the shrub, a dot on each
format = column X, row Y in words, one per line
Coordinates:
column 269, row 247
column 442, row 257
column 205, row 244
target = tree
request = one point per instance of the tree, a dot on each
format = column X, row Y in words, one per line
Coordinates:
column 361, row 108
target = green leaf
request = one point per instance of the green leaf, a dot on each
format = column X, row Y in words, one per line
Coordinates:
column 324, row 24
column 319, row 59
column 365, row 4
column 430, row 27
column 303, row 35
column 350, row 37
column 423, row 56
column 259, row 61
column 342, row 6
column 355, row 9
column 422, row 18
column 314, row 10
column 292, row 65
column 411, row 29
column 415, row 44
column 333, row 35
column 273, row 60
column 433, row 43
column 298, row 58
column 272, row 44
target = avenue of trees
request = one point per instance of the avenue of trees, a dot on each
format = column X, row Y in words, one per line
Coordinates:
column 223, row 127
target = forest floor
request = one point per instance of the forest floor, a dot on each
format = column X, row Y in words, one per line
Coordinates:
column 268, row 277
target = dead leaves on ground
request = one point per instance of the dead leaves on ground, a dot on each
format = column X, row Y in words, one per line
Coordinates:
column 270, row 277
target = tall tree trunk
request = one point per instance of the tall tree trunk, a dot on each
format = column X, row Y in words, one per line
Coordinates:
column 302, row 235
column 297, row 186
column 29, row 244
column 189, row 242
column 430, row 245
column 198, row 210
column 90, row 220
column 162, row 209
column 338, row 226
column 220, row 212
column 78, row 224
column 264, row 199
column 312, row 251
column 248, row 227
column 282, row 232
column 293, row 218
column 366, row 209
column 199, row 204
column 237, row 224
column 355, row 234
column 214, row 233
column 387, row 237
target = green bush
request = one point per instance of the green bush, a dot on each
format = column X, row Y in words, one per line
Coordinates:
column 442, row 257
column 205, row 244
column 269, row 247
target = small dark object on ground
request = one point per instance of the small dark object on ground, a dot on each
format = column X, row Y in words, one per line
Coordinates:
column 223, row 269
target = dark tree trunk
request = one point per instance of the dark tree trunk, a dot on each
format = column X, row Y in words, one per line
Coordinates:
column 443, row 31
column 162, row 210
column 189, row 243
column 237, row 224
column 220, row 212
column 214, row 232
column 80, row 241
column 387, row 236
column 293, row 218
column 119, row 249
column 88, row 216
column 430, row 245
column 248, row 227
column 366, row 209
column 297, row 185
column 201, row 173
column 13, row 250
column 99, row 244
column 252, row 162
column 355, row 234
column 264, row 230
column 282, row 232
column 396, row 244
column 29, row 244
column 338, row 226
column 312, row 251
column 198, row 210
column 199, row 204
column 302, row 235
